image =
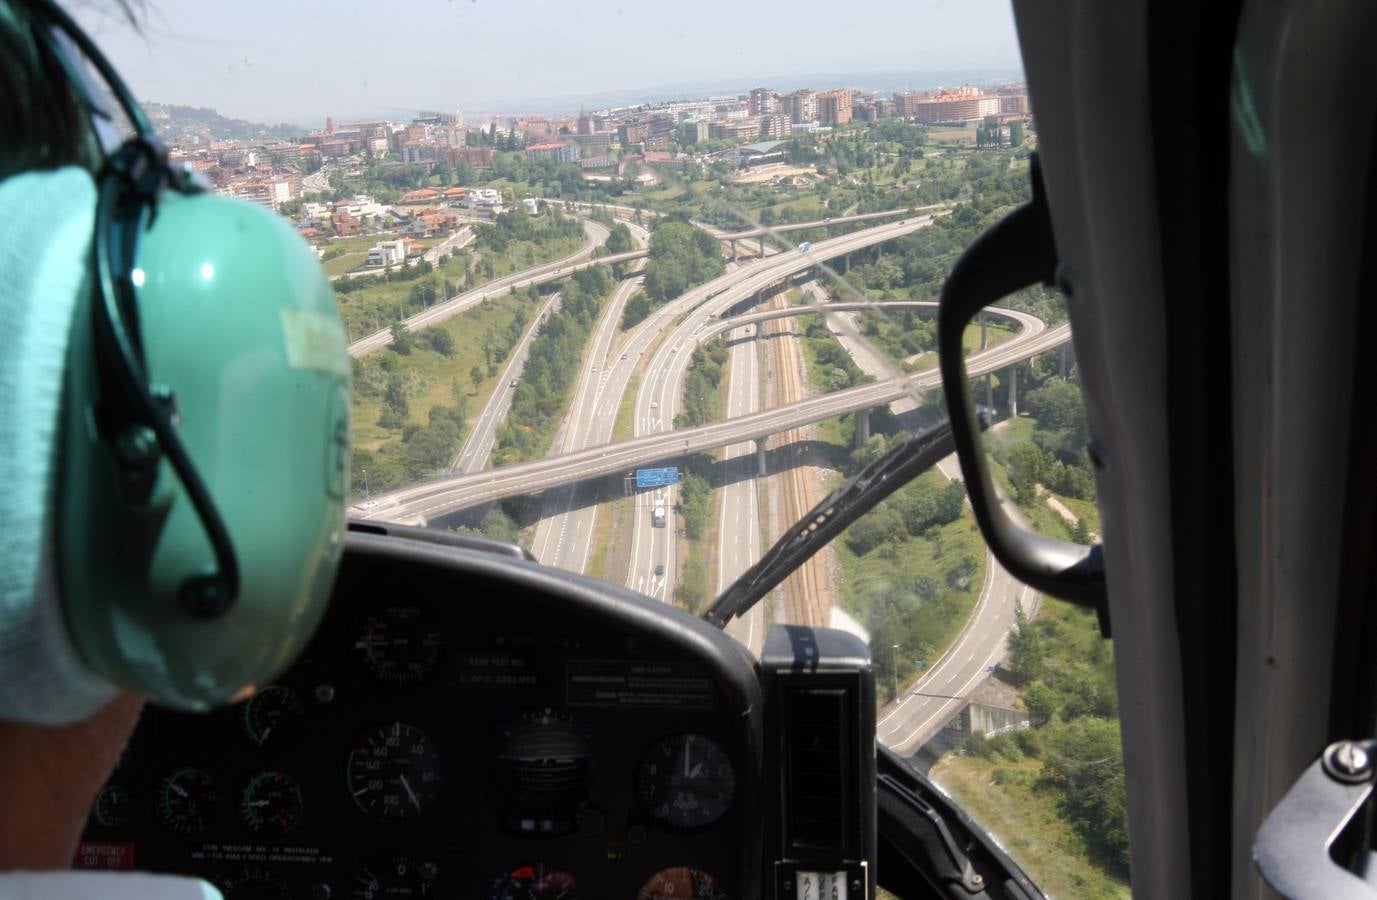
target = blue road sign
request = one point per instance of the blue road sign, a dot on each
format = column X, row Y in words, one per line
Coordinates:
column 647, row 478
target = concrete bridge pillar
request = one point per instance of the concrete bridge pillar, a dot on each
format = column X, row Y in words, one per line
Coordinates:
column 862, row 430
column 733, row 243
column 984, row 337
column 846, row 263
column 760, row 467
column 1013, row 391
column 1062, row 365
column 762, row 245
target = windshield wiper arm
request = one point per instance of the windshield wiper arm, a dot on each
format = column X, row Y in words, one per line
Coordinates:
column 917, row 454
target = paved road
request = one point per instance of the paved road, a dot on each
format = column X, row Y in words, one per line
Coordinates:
column 477, row 449
column 563, row 537
column 738, row 526
column 661, row 390
column 924, row 709
column 441, row 311
column 461, row 238
column 414, row 503
column 908, row 723
column 661, row 383
column 816, row 223
column 445, row 495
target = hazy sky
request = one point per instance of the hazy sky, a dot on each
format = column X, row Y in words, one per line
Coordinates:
column 300, row 60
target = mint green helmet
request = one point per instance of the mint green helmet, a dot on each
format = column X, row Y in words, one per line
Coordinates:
column 192, row 574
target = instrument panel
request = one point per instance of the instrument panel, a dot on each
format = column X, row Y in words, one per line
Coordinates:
column 454, row 732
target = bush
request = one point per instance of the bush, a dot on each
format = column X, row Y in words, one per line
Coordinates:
column 979, row 745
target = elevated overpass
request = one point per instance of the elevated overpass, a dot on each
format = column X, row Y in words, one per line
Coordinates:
column 435, row 498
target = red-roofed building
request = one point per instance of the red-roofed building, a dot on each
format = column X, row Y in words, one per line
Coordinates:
column 421, row 195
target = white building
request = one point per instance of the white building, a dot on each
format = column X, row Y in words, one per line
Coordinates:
column 532, row 206
column 484, row 198
column 387, row 253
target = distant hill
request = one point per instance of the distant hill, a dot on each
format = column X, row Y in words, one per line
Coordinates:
column 184, row 122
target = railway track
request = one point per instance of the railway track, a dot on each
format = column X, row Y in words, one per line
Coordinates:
column 806, row 592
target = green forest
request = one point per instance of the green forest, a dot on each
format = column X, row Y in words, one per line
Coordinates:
column 682, row 256
column 552, row 368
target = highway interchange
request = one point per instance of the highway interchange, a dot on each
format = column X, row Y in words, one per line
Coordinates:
column 657, row 352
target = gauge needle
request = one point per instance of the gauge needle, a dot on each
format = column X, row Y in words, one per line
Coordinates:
column 410, row 793
column 177, row 789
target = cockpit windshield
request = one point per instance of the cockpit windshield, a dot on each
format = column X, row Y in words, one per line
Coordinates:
column 638, row 288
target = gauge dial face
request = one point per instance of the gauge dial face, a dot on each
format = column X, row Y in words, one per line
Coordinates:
column 686, row 781
column 187, row 800
column 273, row 718
column 537, row 882
column 394, row 878
column 394, row 772
column 252, row 884
column 271, row 804
column 399, row 645
column 681, row 883
column 544, row 760
column 113, row 806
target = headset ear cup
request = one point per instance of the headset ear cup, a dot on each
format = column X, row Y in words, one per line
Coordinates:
column 205, row 595
column 237, row 322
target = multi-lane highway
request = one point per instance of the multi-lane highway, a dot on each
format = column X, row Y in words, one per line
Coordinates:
column 661, row 391
column 417, row 502
column 738, row 525
column 564, row 535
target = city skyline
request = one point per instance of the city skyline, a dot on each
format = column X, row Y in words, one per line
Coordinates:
column 290, row 65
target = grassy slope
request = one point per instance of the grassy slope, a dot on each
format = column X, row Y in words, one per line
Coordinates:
column 940, row 620
column 434, row 373
column 376, row 306
column 1003, row 797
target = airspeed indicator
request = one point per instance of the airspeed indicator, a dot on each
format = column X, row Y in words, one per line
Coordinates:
column 394, row 772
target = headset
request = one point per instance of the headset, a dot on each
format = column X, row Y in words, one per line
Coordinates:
column 204, row 450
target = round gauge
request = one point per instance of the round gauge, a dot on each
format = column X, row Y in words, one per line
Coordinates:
column 187, row 800
column 537, row 882
column 271, row 803
column 113, row 806
column 681, row 883
column 273, row 717
column 399, row 645
column 686, row 781
column 252, row 884
column 391, row 878
column 544, row 759
column 394, row 772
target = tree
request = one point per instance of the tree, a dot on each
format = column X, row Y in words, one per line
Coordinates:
column 1027, row 660
column 476, row 376
column 441, row 341
column 1080, row 533
column 401, row 339
column 619, row 241
column 1041, row 701
column 1084, row 764
column 395, row 409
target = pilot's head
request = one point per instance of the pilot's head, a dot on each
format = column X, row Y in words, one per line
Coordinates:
column 173, row 408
